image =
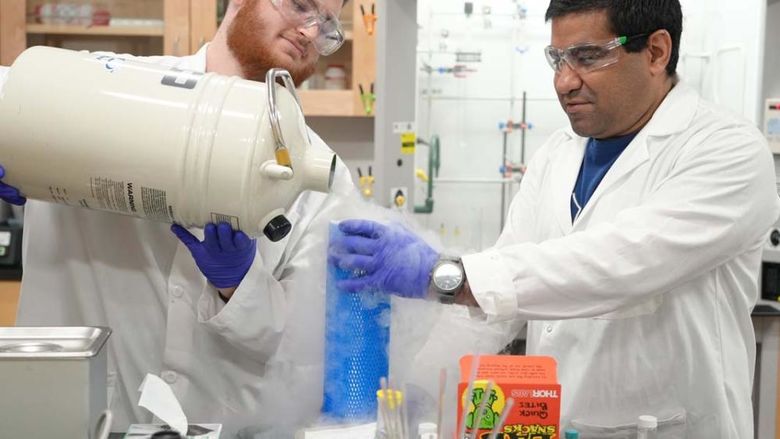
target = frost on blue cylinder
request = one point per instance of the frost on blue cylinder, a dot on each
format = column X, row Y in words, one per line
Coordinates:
column 357, row 329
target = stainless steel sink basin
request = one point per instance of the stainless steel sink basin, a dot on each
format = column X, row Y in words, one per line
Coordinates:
column 52, row 342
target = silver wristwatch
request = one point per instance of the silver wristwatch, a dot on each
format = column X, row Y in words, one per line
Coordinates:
column 447, row 278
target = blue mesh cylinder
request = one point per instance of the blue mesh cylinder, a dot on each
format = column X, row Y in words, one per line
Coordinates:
column 357, row 329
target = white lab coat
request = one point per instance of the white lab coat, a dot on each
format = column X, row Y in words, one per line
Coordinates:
column 232, row 363
column 645, row 300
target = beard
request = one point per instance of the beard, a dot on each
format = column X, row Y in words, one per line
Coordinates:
column 255, row 54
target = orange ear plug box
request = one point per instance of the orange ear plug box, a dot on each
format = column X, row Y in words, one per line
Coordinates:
column 534, row 411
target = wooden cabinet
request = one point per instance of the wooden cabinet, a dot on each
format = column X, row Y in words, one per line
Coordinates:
column 358, row 57
column 140, row 27
column 12, row 30
column 9, row 298
column 203, row 22
column 181, row 27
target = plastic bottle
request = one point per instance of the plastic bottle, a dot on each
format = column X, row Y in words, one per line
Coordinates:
column 646, row 427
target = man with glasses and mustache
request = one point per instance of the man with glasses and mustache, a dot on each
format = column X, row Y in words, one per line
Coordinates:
column 634, row 244
column 219, row 318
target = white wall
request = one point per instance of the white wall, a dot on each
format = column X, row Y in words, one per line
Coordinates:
column 772, row 51
column 722, row 52
column 465, row 112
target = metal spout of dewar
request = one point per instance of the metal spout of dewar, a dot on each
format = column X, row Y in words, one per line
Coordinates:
column 319, row 169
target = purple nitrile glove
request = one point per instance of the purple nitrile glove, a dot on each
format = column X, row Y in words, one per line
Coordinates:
column 10, row 194
column 224, row 256
column 387, row 258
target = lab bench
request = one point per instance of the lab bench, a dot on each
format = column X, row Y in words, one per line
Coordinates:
column 766, row 321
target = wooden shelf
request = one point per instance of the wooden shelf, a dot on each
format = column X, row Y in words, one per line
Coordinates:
column 138, row 31
column 120, row 31
column 329, row 103
column 359, row 58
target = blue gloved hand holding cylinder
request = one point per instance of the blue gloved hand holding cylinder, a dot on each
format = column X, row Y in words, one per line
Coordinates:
column 387, row 258
column 224, row 256
column 10, row 194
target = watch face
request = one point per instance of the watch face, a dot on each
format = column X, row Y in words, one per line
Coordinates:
column 448, row 276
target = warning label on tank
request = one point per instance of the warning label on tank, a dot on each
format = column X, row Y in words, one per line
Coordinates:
column 155, row 204
column 59, row 195
column 110, row 194
column 126, row 197
column 217, row 218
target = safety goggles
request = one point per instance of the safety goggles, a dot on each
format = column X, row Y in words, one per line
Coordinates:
column 307, row 14
column 587, row 57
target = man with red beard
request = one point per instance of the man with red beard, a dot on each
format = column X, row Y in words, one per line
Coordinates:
column 212, row 316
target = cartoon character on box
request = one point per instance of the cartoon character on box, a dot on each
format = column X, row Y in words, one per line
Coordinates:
column 521, row 397
column 494, row 406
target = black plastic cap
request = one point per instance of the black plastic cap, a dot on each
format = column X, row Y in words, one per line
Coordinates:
column 277, row 228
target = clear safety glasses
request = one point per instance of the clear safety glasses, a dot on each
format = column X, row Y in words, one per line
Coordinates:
column 587, row 57
column 307, row 13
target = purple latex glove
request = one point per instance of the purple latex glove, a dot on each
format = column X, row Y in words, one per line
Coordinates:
column 224, row 256
column 10, row 194
column 387, row 258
